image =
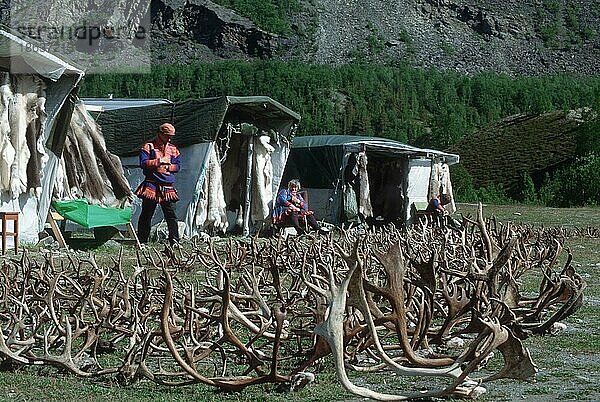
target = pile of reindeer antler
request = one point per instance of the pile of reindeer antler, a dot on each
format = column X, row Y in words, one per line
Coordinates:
column 237, row 313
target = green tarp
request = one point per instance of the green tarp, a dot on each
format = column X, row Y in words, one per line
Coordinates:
column 92, row 216
column 197, row 120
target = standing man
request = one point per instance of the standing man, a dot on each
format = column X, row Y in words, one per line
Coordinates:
column 159, row 159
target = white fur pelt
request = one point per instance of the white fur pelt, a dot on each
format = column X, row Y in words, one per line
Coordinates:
column 262, row 189
column 434, row 180
column 7, row 151
column 19, row 116
column 447, row 187
column 440, row 183
column 61, row 184
column 211, row 209
column 36, row 146
column 23, row 114
column 364, row 196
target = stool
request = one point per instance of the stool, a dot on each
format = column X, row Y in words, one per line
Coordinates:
column 10, row 216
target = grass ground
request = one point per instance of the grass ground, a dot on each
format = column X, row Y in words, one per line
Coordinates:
column 569, row 363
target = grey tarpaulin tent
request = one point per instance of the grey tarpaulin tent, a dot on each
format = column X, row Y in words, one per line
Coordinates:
column 203, row 125
column 20, row 57
column 398, row 174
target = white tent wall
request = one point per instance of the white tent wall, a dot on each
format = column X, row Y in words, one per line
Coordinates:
column 417, row 190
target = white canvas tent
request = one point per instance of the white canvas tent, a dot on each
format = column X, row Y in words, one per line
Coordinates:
column 224, row 161
column 393, row 178
column 19, row 59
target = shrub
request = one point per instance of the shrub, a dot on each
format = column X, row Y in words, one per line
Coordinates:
column 574, row 185
column 526, row 192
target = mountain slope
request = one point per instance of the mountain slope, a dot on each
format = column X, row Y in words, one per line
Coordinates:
column 513, row 37
column 502, row 153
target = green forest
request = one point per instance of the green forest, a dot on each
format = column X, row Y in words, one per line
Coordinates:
column 422, row 107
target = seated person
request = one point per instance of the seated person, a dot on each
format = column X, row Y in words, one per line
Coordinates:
column 291, row 209
column 436, row 208
column 436, row 205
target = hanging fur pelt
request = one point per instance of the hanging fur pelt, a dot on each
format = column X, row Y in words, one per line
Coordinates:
column 61, row 184
column 36, row 147
column 211, row 209
column 90, row 170
column 262, row 191
column 93, row 185
column 111, row 164
column 364, row 196
column 22, row 111
column 7, row 151
column 439, row 183
column 74, row 170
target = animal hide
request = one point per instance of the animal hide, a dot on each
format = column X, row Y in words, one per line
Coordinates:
column 439, row 183
column 74, row 170
column 211, row 210
column 111, row 167
column 92, row 185
column 434, row 181
column 19, row 116
column 22, row 118
column 88, row 169
column 364, row 197
column 61, row 184
column 38, row 153
column 22, row 113
column 7, row 151
column 262, row 186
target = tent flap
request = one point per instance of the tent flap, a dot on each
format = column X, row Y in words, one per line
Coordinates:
column 126, row 125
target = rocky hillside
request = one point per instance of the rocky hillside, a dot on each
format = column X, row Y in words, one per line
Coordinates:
column 511, row 36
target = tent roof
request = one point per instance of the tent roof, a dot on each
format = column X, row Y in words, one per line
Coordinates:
column 101, row 104
column 127, row 123
column 263, row 106
column 383, row 145
column 20, row 54
column 257, row 105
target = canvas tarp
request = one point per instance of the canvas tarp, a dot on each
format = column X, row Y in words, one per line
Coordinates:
column 196, row 120
column 19, row 55
column 92, row 216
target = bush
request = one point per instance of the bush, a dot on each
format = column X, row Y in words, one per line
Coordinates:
column 574, row 185
column 270, row 15
column 525, row 191
column 464, row 190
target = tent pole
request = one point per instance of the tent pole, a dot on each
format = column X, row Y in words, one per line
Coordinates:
column 246, row 230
